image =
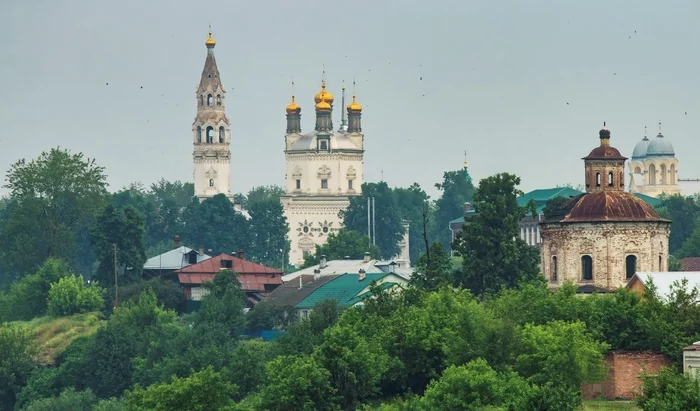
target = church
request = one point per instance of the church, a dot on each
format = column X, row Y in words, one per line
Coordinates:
column 654, row 167
column 323, row 170
column 600, row 238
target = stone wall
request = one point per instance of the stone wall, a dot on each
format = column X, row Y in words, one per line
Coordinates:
column 624, row 374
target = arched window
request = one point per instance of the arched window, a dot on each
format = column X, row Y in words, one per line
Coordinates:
column 630, row 265
column 652, row 174
column 222, row 134
column 663, row 174
column 661, row 262
column 554, row 268
column 211, row 182
column 210, row 134
column 218, row 99
column 586, row 267
column 610, row 179
column 210, row 100
column 199, row 134
column 597, row 179
column 672, row 174
column 637, row 170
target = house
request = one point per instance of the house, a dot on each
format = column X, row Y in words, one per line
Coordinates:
column 256, row 279
column 175, row 259
column 691, row 359
column 348, row 290
column 663, row 281
column 291, row 293
column 334, row 267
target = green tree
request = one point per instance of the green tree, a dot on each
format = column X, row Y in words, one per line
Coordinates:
column 176, row 191
column 387, row 219
column 16, row 363
column 57, row 197
column 69, row 400
column 457, row 189
column 267, row 316
column 268, row 233
column 71, row 296
column 216, row 225
column 297, row 383
column 683, row 214
column 341, row 244
column 125, row 229
column 433, row 270
column 669, row 390
column 221, row 317
column 494, row 255
column 412, row 202
column 263, row 194
column 246, row 367
column 553, row 205
column 202, row 391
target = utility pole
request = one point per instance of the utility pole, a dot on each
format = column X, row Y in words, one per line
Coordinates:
column 116, row 281
column 374, row 225
column 369, row 234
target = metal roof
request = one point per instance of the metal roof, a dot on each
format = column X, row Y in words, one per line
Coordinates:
column 238, row 265
column 343, row 289
column 290, row 294
column 173, row 260
column 339, row 141
column 350, row 266
column 664, row 280
column 603, row 206
column 249, row 282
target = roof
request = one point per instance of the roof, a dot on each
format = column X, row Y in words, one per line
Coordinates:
column 238, row 265
column 654, row 202
column 173, row 260
column 605, row 153
column 604, row 206
column 660, row 147
column 249, row 282
column 339, row 141
column 210, row 74
column 541, row 196
column 289, row 293
column 343, row 289
column 690, row 264
column 664, row 280
column 351, row 266
column 640, row 149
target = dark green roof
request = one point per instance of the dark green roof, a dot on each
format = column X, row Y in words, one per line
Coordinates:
column 343, row 290
column 541, row 196
column 654, row 202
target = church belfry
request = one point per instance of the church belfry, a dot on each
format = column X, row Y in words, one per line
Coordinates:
column 354, row 114
column 604, row 166
column 211, row 132
column 293, row 116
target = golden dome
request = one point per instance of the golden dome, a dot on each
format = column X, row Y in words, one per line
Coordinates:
column 210, row 41
column 323, row 105
column 354, row 106
column 293, row 107
column 323, row 95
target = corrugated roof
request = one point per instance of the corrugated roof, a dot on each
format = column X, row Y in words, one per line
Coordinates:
column 289, row 293
column 342, row 289
column 664, row 280
column 249, row 282
column 172, row 260
column 349, row 266
column 214, row 264
column 603, row 206
column 690, row 264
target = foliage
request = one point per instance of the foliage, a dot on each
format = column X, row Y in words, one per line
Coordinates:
column 456, row 190
column 266, row 316
column 262, row 194
column 341, row 244
column 69, row 400
column 246, row 366
column 215, row 224
column 411, row 203
column 691, row 245
column 553, row 205
column 683, row 214
column 71, row 296
column 204, row 390
column 433, row 270
column 221, row 317
column 168, row 293
column 268, row 231
column 27, row 297
column 494, row 255
column 669, row 390
column 297, row 383
column 16, row 363
column 388, row 229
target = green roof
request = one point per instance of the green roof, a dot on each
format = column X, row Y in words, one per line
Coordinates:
column 382, row 286
column 654, row 202
column 342, row 290
column 541, row 196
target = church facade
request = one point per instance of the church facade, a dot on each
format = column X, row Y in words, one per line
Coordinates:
column 324, row 168
column 654, row 167
column 211, row 133
column 600, row 238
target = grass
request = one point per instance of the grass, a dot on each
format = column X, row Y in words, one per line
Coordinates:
column 609, row 405
column 53, row 335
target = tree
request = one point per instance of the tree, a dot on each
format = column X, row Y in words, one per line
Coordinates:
column 669, row 390
column 494, row 255
column 432, row 273
column 70, row 296
column 221, row 317
column 343, row 243
column 16, row 364
column 125, row 229
column 552, row 206
column 202, row 391
column 216, row 225
column 57, row 198
column 411, row 202
column 297, row 383
column 262, row 194
column 69, row 400
column 267, row 316
column 683, row 214
column 268, row 232
column 179, row 193
column 388, row 229
column 457, row 189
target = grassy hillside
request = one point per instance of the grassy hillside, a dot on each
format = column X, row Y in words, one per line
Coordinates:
column 53, row 334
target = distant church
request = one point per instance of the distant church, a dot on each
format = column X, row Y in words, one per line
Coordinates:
column 654, row 167
column 323, row 170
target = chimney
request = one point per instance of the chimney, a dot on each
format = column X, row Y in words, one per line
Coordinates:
column 300, row 282
column 201, row 250
column 361, row 275
column 366, row 258
column 317, row 274
column 240, row 254
column 467, row 206
column 176, row 242
column 323, row 262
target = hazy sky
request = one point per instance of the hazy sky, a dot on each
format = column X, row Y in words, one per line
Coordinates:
column 496, row 80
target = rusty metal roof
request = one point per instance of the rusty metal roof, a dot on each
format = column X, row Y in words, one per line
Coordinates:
column 249, row 282
column 237, row 265
column 605, row 206
column 605, row 153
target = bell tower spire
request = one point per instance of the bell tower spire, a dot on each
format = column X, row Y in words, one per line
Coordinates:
column 343, row 119
column 293, row 115
column 211, row 132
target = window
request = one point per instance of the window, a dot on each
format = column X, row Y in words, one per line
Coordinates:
column 210, row 134
column 661, row 262
column 306, row 253
column 325, row 229
column 306, row 229
column 597, row 179
column 222, row 134
column 554, row 268
column 663, row 173
column 324, row 145
column 192, row 258
column 324, row 184
column 349, row 184
column 227, row 263
column 197, row 293
column 630, row 266
column 201, row 100
column 304, row 314
column 298, row 184
column 210, row 100
column 586, row 267
column 218, row 99
column 199, row 134
column 610, row 179
column 211, row 183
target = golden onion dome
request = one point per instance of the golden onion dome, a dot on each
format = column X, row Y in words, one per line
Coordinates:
column 323, row 105
column 323, row 95
column 354, row 107
column 293, row 107
column 210, row 41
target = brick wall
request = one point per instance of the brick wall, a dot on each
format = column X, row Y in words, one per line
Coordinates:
column 624, row 374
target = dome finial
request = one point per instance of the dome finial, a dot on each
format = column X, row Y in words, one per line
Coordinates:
column 604, row 135
column 210, row 43
column 293, row 108
column 354, row 107
column 324, row 95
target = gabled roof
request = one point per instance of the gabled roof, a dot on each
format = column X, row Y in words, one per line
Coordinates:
column 343, row 289
column 351, row 266
column 289, row 293
column 654, row 202
column 541, row 196
column 690, row 264
column 238, row 265
column 664, row 280
column 173, row 260
column 249, row 282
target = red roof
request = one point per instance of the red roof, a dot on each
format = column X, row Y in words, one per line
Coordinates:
column 690, row 264
column 238, row 265
column 249, row 282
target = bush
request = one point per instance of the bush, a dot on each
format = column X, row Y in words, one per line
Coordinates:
column 70, row 296
column 669, row 390
column 16, row 364
column 69, row 400
column 169, row 294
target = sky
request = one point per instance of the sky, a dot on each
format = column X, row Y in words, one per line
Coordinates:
column 522, row 86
